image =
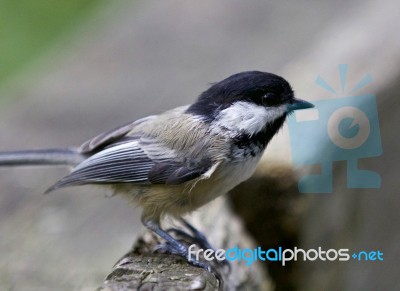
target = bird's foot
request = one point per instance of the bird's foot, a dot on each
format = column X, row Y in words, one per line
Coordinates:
column 198, row 238
column 175, row 247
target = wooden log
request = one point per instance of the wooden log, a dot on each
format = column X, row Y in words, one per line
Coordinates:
column 141, row 269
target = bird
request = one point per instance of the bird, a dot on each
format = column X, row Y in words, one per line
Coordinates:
column 175, row 162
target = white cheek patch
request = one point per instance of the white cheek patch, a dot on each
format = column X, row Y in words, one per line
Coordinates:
column 248, row 117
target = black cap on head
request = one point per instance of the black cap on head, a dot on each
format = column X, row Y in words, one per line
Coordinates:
column 252, row 86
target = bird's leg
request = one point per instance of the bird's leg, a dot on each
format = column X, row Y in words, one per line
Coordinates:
column 177, row 248
column 197, row 237
column 200, row 237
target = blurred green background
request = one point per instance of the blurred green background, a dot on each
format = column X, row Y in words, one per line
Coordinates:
column 30, row 29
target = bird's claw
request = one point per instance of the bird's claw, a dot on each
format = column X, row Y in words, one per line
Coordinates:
column 200, row 240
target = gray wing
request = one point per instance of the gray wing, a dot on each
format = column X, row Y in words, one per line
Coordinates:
column 135, row 161
column 107, row 138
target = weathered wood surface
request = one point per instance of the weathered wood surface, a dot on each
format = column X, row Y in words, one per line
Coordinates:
column 141, row 269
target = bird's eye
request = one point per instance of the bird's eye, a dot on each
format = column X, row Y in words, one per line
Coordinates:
column 270, row 99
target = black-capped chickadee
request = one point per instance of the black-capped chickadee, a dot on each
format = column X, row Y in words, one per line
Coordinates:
column 175, row 162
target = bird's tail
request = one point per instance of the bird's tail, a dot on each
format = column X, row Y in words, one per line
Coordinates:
column 68, row 156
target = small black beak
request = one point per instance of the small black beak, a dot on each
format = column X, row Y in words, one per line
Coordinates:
column 297, row 104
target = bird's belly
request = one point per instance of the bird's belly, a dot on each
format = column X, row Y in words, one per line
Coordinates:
column 177, row 200
column 225, row 178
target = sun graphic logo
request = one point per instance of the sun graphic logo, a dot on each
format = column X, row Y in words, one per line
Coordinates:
column 344, row 128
